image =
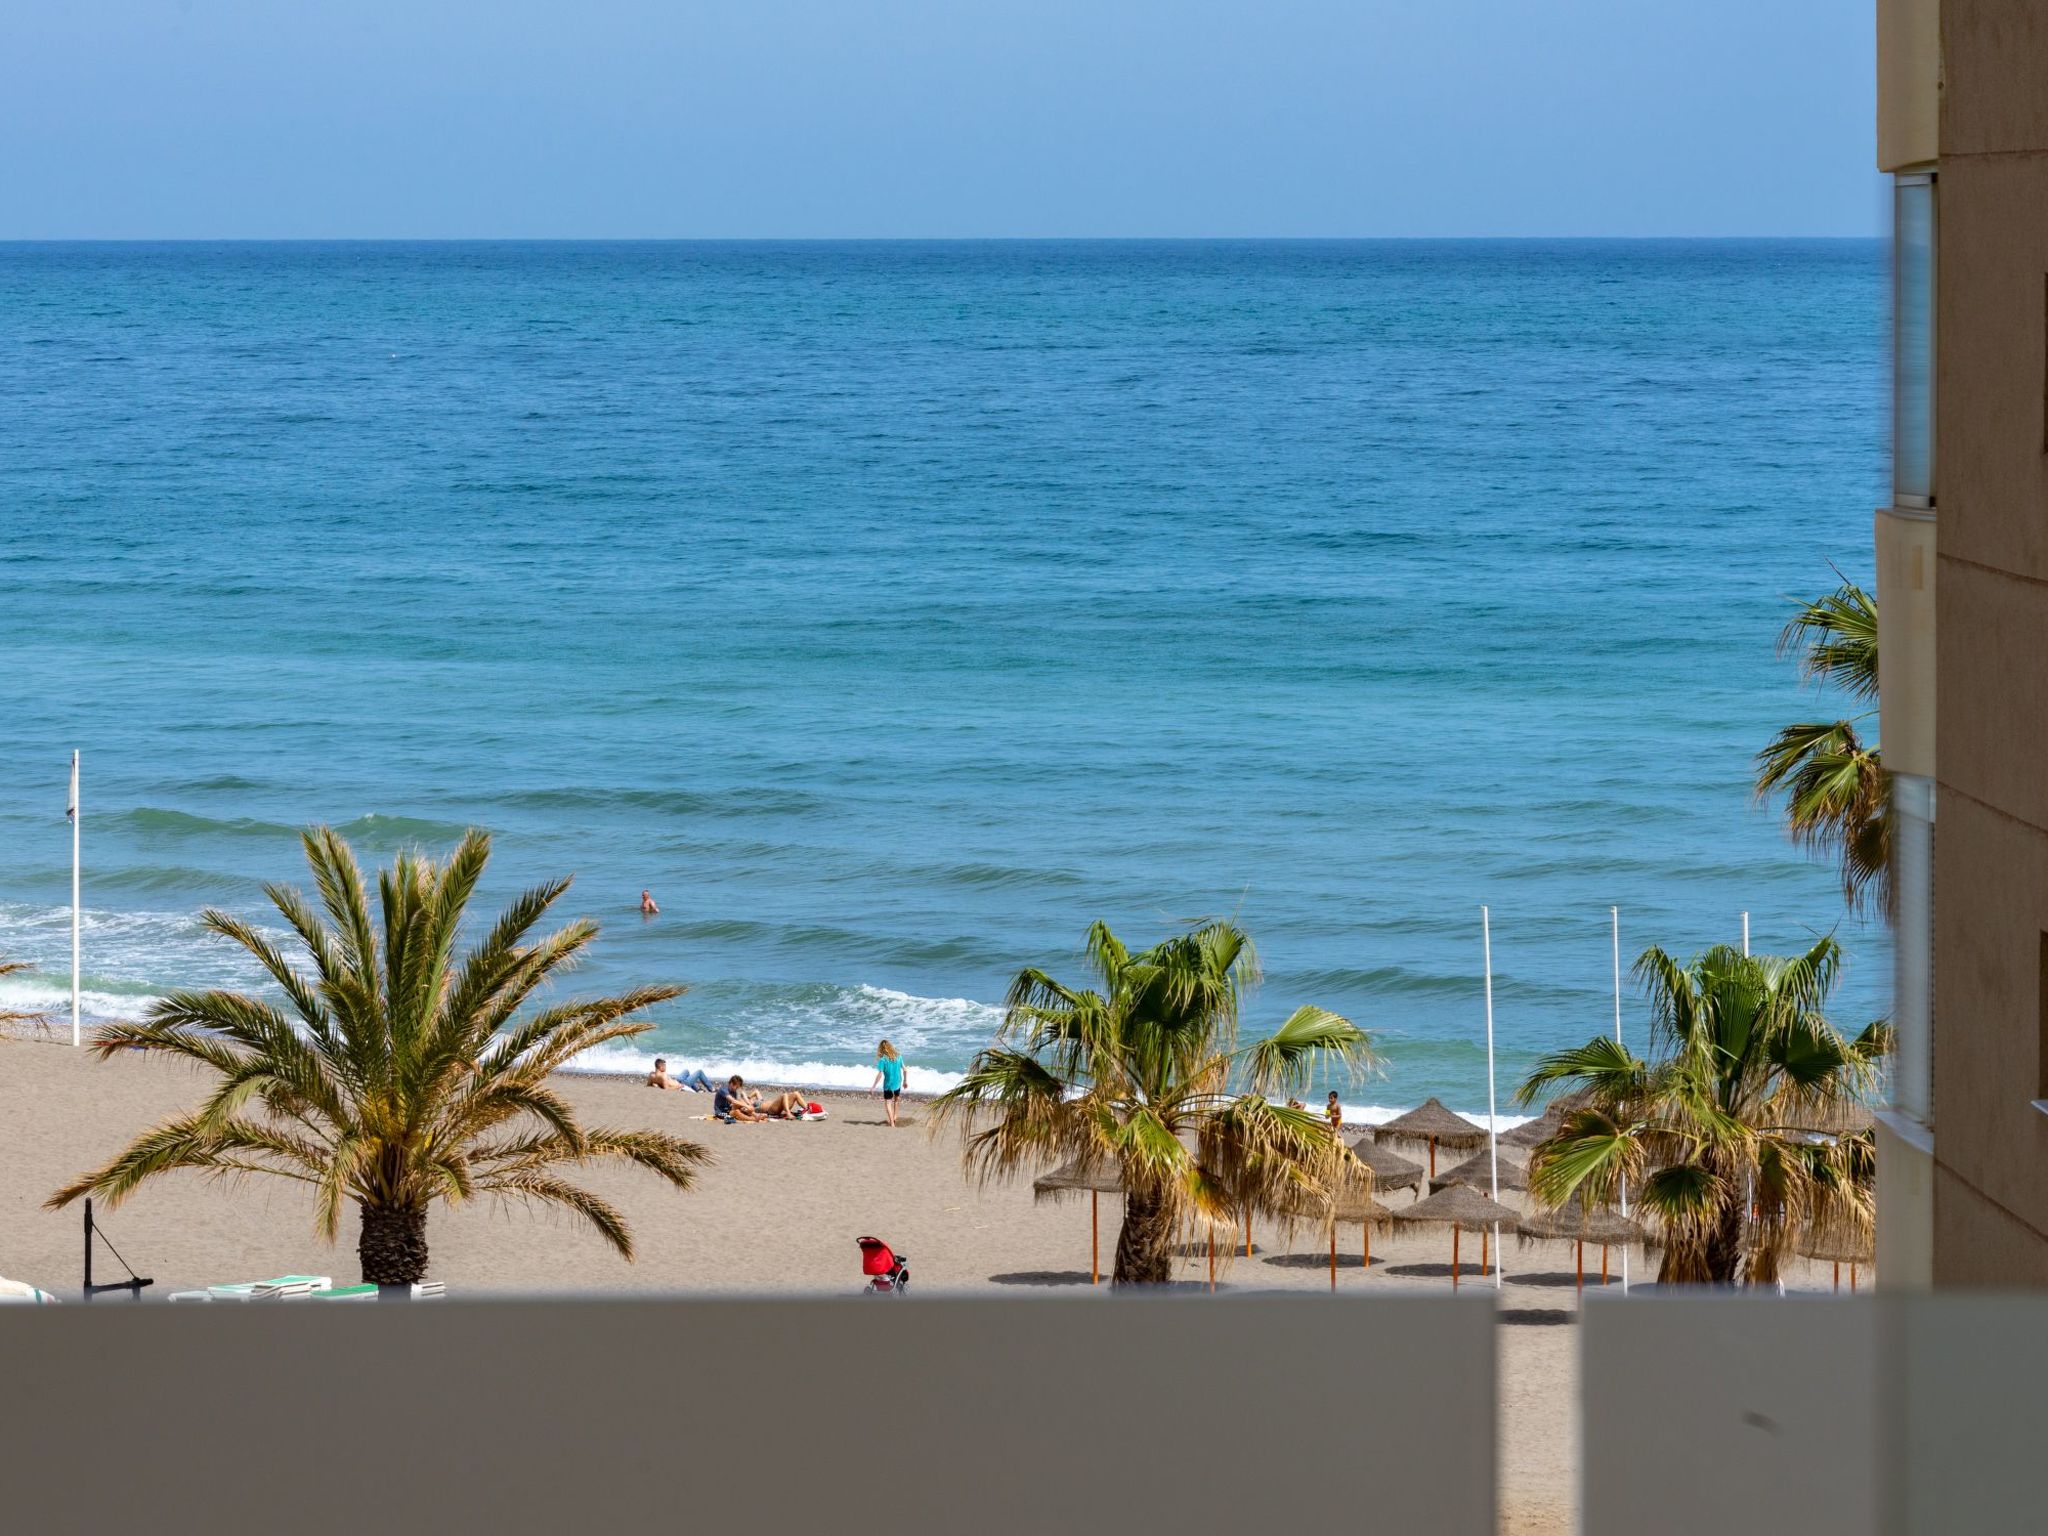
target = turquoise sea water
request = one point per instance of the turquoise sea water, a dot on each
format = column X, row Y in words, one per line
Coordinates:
column 894, row 610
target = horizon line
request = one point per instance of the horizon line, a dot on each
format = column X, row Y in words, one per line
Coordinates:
column 901, row 239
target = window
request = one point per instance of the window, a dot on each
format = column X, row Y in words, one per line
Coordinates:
column 1913, row 232
column 1913, row 946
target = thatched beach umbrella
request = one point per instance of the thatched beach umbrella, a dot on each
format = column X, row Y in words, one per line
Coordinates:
column 1532, row 1133
column 1573, row 1223
column 1351, row 1205
column 1463, row 1209
column 1478, row 1172
column 1837, row 1245
column 1390, row 1170
column 1844, row 1117
column 1071, row 1179
column 1430, row 1121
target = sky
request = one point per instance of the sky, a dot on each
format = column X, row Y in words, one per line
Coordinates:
column 218, row 119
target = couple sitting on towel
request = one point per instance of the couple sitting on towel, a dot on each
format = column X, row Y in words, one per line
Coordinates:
column 735, row 1101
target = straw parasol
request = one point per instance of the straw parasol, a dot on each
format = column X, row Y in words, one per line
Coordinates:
column 1574, row 1224
column 1843, row 1117
column 1351, row 1205
column 1432, row 1122
column 1463, row 1209
column 1390, row 1170
column 1531, row 1133
column 1478, row 1172
column 1071, row 1179
column 1837, row 1245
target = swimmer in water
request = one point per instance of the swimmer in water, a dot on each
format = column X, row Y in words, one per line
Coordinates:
column 647, row 906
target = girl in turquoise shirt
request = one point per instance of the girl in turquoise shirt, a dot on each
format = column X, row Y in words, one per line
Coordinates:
column 889, row 1078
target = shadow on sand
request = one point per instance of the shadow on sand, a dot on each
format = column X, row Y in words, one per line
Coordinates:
column 1322, row 1261
column 1470, row 1271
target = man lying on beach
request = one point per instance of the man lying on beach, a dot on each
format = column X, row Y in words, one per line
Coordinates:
column 695, row 1081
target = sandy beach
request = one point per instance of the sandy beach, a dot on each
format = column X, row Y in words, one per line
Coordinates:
column 778, row 1211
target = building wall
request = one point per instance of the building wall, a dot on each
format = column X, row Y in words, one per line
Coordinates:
column 1990, row 1190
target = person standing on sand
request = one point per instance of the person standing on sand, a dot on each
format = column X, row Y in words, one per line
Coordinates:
column 888, row 1078
column 1335, row 1112
column 647, row 906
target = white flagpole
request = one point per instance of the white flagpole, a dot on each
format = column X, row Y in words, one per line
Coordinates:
column 1492, row 1118
column 1614, row 917
column 74, row 898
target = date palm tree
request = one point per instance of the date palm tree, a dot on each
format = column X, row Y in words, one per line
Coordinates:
column 1837, row 798
column 1143, row 1073
column 1711, row 1135
column 396, row 1074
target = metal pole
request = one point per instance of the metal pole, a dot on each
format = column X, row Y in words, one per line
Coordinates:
column 1614, row 918
column 88, row 1248
column 74, row 898
column 1492, row 1118
column 1745, row 933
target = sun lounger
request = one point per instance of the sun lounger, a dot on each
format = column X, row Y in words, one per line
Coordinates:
column 426, row 1290
column 283, row 1288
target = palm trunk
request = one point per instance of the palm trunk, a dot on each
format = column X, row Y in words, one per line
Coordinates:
column 1144, row 1248
column 1724, row 1246
column 393, row 1245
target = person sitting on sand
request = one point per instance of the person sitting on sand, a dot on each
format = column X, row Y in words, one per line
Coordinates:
column 647, row 906
column 731, row 1104
column 695, row 1081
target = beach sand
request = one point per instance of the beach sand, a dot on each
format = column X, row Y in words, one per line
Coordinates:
column 778, row 1211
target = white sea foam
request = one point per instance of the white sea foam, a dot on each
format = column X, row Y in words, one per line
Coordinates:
column 761, row 1070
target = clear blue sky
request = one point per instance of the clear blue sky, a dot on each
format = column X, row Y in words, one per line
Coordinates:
column 612, row 118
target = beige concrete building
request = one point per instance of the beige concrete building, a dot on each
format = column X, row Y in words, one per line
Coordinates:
column 1962, row 572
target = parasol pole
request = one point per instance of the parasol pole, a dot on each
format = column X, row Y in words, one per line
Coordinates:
column 1333, row 1250
column 74, row 899
column 1492, row 1118
column 1745, row 935
column 1614, row 920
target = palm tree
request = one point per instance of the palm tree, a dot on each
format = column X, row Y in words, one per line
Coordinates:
column 1710, row 1135
column 1837, row 798
column 1138, row 1075
column 400, row 1075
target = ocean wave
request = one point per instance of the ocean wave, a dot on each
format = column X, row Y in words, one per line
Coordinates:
column 747, row 800
column 855, row 1076
column 378, row 832
column 760, row 1070
column 162, row 821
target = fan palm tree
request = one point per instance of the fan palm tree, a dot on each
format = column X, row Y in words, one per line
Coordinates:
column 1709, row 1136
column 1837, row 798
column 399, row 1075
column 1138, row 1075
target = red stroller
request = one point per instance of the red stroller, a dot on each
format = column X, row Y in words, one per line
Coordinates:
column 887, row 1271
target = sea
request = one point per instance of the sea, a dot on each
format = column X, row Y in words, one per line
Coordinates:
column 894, row 611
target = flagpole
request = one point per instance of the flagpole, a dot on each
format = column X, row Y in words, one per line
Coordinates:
column 1614, row 918
column 1492, row 1118
column 74, row 898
